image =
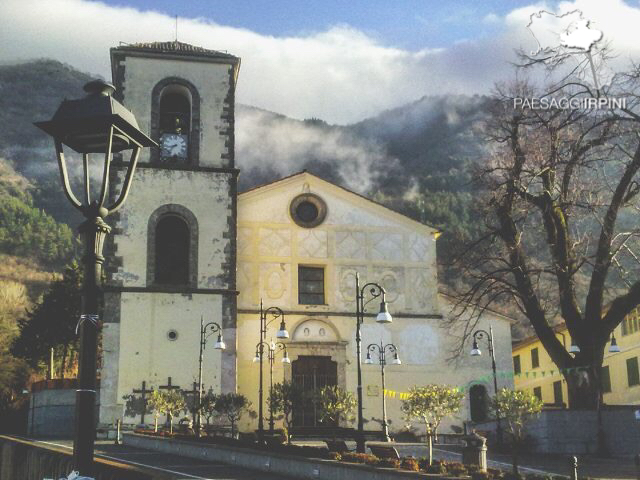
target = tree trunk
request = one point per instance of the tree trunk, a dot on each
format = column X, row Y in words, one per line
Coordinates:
column 429, row 446
column 583, row 382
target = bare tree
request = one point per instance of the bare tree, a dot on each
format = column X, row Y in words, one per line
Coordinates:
column 559, row 202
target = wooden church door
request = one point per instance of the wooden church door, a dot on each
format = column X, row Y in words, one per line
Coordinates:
column 312, row 373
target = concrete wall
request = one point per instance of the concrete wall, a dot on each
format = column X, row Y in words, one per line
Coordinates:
column 575, row 431
column 52, row 413
column 274, row 463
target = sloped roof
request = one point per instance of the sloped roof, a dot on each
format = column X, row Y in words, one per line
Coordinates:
column 351, row 192
column 175, row 47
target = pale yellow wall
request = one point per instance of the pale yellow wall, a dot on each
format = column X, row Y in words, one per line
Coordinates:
column 382, row 246
column 621, row 393
column 212, row 81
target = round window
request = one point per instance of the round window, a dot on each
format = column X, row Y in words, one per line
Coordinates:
column 308, row 210
column 172, row 335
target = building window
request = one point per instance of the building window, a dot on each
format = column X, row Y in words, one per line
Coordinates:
column 535, row 358
column 632, row 371
column 630, row 322
column 172, row 251
column 516, row 365
column 308, row 210
column 311, row 285
column 537, row 391
column 557, row 393
column 172, row 247
column 605, row 379
column 175, row 122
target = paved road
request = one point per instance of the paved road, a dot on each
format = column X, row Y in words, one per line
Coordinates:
column 173, row 466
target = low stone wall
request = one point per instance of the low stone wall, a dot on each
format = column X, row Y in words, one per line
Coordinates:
column 297, row 467
column 575, row 432
column 52, row 408
column 22, row 460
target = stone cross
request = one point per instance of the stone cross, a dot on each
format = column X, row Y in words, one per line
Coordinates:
column 168, row 386
column 143, row 396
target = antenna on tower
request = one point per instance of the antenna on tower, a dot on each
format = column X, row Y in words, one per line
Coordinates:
column 176, row 28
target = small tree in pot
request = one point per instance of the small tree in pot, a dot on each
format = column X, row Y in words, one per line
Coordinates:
column 431, row 404
column 233, row 406
column 335, row 405
column 283, row 399
column 517, row 408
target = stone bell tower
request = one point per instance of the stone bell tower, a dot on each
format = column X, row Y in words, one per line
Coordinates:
column 171, row 258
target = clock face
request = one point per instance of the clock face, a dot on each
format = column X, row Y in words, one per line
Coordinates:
column 173, row 145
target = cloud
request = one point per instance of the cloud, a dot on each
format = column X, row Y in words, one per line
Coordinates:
column 340, row 75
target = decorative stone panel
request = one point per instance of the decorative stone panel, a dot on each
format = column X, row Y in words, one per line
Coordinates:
column 386, row 246
column 351, row 245
column 312, row 243
column 274, row 242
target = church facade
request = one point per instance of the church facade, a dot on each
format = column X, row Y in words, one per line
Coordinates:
column 187, row 247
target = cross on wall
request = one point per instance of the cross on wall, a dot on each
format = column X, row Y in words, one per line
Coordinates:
column 143, row 396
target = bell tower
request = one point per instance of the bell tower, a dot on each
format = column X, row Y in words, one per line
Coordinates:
column 171, row 258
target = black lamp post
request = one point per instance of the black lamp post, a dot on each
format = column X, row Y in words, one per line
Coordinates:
column 381, row 351
column 475, row 351
column 275, row 313
column 383, row 316
column 212, row 328
column 273, row 349
column 95, row 124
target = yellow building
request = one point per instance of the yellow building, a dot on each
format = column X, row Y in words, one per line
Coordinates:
column 534, row 371
column 306, row 265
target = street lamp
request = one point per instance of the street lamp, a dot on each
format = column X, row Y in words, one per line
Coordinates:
column 381, row 351
column 95, row 124
column 212, row 328
column 273, row 349
column 282, row 333
column 475, row 351
column 383, row 316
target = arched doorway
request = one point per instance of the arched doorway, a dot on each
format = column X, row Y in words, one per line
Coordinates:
column 312, row 373
column 479, row 403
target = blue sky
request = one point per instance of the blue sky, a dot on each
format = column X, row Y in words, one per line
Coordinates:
column 336, row 60
column 410, row 24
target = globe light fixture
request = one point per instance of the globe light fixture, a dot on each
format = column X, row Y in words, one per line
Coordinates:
column 383, row 315
column 282, row 332
column 220, row 345
column 614, row 348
